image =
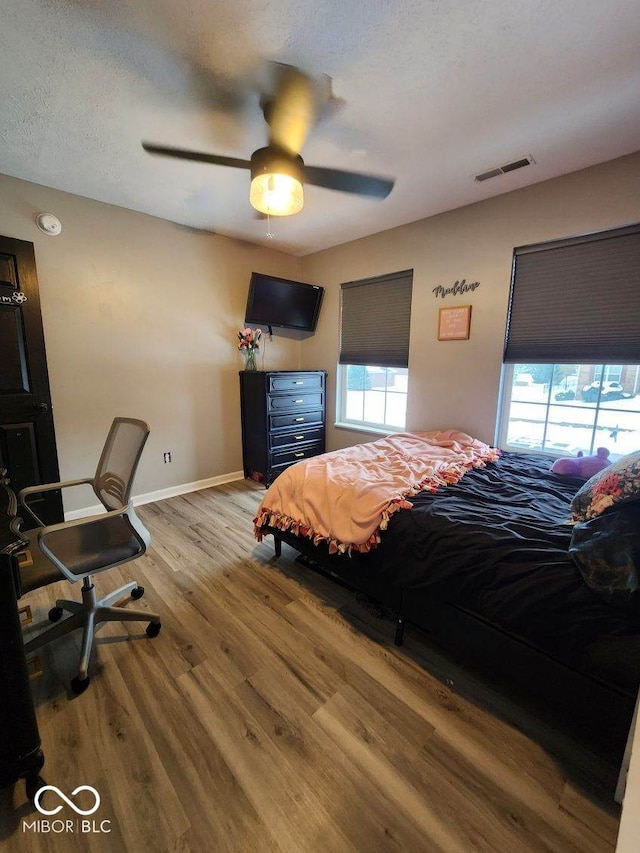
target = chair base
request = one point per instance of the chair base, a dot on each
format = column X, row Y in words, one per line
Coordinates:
column 88, row 615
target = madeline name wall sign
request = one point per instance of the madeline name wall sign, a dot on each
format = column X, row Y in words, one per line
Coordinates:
column 456, row 289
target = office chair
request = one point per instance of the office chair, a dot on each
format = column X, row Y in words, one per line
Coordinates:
column 81, row 548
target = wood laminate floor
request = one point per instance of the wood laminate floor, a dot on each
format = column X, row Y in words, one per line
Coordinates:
column 273, row 713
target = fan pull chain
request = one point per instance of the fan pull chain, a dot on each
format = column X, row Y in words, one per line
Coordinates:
column 270, row 234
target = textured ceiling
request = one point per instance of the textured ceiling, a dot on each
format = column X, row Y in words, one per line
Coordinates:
column 433, row 91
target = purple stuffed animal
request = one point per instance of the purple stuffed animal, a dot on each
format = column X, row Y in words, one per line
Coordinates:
column 582, row 466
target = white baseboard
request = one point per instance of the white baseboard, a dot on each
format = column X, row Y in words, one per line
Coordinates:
column 161, row 494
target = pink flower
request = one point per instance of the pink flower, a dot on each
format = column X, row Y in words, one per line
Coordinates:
column 249, row 339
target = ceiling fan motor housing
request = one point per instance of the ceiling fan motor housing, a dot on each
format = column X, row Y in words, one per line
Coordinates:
column 275, row 160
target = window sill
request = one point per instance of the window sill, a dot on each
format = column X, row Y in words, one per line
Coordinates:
column 366, row 428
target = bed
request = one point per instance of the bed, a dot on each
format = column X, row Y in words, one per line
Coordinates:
column 487, row 561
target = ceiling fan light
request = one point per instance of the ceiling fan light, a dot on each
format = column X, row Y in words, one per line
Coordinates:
column 276, row 194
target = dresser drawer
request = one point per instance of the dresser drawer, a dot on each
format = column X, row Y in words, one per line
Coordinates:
column 296, row 419
column 287, row 402
column 296, row 382
column 282, row 439
column 295, row 454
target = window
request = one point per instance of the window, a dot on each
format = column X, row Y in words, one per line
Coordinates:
column 374, row 396
column 612, row 372
column 564, row 408
column 571, row 379
column 374, row 352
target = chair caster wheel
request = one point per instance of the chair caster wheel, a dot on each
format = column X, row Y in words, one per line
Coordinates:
column 55, row 614
column 137, row 593
column 79, row 685
column 153, row 629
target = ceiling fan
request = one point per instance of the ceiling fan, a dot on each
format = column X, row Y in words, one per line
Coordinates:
column 278, row 172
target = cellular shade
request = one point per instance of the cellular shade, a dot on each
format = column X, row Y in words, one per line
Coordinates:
column 576, row 300
column 375, row 320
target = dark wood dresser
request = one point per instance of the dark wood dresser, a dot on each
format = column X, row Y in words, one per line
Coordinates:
column 283, row 419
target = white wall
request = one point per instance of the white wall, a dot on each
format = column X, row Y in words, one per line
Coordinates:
column 140, row 319
column 455, row 383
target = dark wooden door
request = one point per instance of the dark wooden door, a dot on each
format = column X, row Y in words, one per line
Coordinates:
column 27, row 437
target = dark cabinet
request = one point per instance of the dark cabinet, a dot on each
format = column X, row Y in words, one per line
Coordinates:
column 283, row 419
column 20, row 754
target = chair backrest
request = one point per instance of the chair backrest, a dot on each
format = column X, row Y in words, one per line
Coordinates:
column 119, row 461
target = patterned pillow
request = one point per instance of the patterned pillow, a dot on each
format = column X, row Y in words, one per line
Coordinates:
column 616, row 484
column 606, row 550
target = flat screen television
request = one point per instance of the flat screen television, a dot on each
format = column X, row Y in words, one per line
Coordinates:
column 280, row 302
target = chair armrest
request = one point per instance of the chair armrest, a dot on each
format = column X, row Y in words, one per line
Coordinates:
column 46, row 487
column 49, row 487
column 78, row 522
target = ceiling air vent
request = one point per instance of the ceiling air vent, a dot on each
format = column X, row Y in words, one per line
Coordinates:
column 508, row 167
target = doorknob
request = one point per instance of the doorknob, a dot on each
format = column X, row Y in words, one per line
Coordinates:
column 41, row 407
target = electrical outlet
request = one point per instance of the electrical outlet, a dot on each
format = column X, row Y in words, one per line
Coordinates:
column 167, row 457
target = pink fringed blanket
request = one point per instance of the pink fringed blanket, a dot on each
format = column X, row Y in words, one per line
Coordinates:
column 346, row 497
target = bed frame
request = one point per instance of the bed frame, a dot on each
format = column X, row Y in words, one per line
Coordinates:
column 590, row 710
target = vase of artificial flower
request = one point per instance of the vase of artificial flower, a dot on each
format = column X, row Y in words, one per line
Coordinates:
column 249, row 359
column 249, row 344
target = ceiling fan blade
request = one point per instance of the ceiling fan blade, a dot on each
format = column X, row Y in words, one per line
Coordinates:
column 291, row 112
column 348, row 182
column 198, row 156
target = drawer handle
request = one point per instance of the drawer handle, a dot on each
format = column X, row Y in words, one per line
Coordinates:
column 298, row 437
column 25, row 615
column 24, row 558
column 299, row 420
column 34, row 667
column 298, row 455
column 298, row 401
column 298, row 382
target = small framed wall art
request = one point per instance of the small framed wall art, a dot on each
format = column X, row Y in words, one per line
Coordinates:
column 454, row 324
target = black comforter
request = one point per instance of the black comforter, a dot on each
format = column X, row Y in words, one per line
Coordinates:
column 496, row 543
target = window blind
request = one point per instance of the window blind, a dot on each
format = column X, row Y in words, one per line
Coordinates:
column 374, row 320
column 576, row 300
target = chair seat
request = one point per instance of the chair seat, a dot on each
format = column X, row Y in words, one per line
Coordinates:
column 84, row 550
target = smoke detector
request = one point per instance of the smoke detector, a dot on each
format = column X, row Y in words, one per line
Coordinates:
column 49, row 224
